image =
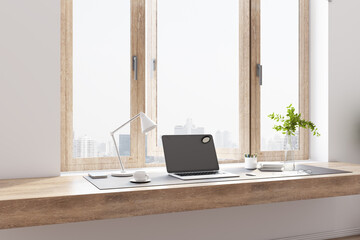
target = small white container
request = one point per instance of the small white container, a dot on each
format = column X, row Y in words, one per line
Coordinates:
column 251, row 163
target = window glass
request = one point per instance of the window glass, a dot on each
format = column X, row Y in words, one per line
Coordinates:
column 198, row 69
column 101, row 76
column 280, row 60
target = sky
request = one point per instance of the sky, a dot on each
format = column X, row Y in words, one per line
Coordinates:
column 198, row 65
column 280, row 60
column 101, row 93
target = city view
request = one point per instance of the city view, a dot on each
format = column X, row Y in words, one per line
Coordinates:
column 87, row 147
column 278, row 141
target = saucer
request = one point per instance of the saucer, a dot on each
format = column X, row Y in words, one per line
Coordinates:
column 134, row 181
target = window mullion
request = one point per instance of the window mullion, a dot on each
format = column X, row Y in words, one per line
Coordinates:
column 137, row 101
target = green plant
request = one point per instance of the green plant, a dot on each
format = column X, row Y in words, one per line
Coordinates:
column 248, row 155
column 291, row 121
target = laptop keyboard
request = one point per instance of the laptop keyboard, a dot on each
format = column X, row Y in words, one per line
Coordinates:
column 196, row 173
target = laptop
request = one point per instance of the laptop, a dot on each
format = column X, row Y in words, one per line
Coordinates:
column 192, row 157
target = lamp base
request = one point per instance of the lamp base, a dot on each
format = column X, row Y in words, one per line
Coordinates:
column 121, row 174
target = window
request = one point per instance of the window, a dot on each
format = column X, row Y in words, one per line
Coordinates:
column 190, row 98
column 99, row 90
column 101, row 76
column 279, row 53
column 281, row 45
column 196, row 74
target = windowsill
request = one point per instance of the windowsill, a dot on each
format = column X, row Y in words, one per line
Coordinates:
column 71, row 198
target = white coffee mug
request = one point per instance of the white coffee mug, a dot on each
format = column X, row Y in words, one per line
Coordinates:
column 251, row 163
column 141, row 176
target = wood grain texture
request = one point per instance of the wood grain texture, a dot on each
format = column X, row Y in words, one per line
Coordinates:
column 32, row 202
column 255, row 87
column 81, row 164
column 152, row 111
column 304, row 76
column 244, row 78
column 66, row 91
column 137, row 99
column 348, row 238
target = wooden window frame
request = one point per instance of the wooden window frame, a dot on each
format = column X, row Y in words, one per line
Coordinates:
column 249, row 90
column 137, row 95
column 229, row 154
column 303, row 152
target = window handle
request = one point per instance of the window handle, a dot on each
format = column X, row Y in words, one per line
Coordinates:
column 259, row 73
column 153, row 67
column 135, row 67
column 154, row 64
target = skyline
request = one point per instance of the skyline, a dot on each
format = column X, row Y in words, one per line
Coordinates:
column 222, row 138
column 86, row 146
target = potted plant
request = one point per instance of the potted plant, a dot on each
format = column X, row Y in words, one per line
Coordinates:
column 287, row 126
column 250, row 161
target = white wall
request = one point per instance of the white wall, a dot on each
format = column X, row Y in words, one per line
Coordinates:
column 344, row 81
column 29, row 88
column 268, row 221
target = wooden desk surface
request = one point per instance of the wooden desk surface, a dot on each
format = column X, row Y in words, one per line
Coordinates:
column 41, row 201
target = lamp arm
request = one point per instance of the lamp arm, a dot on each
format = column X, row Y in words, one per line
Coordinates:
column 113, row 138
column 117, row 152
column 137, row 115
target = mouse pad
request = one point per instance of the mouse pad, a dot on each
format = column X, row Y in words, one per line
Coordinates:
column 161, row 178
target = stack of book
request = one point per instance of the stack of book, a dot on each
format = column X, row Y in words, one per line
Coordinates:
column 271, row 166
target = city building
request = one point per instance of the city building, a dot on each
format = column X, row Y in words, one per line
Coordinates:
column 278, row 142
column 84, row 147
column 223, row 139
column 124, row 144
column 188, row 128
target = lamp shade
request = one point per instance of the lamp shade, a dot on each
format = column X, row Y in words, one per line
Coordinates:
column 146, row 123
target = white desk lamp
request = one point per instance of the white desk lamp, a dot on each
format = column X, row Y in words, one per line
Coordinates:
column 146, row 125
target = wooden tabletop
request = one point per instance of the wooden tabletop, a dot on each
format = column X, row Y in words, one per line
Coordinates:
column 41, row 201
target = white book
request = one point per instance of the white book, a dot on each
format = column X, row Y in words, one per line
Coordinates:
column 271, row 166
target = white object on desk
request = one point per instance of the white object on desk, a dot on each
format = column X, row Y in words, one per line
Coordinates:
column 271, row 166
column 251, row 163
column 140, row 177
column 97, row 175
column 146, row 125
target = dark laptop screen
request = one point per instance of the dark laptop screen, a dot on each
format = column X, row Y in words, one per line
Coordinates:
column 186, row 153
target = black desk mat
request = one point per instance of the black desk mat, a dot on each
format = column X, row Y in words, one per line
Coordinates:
column 161, row 178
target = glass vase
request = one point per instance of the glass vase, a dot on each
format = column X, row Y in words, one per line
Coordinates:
column 289, row 160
